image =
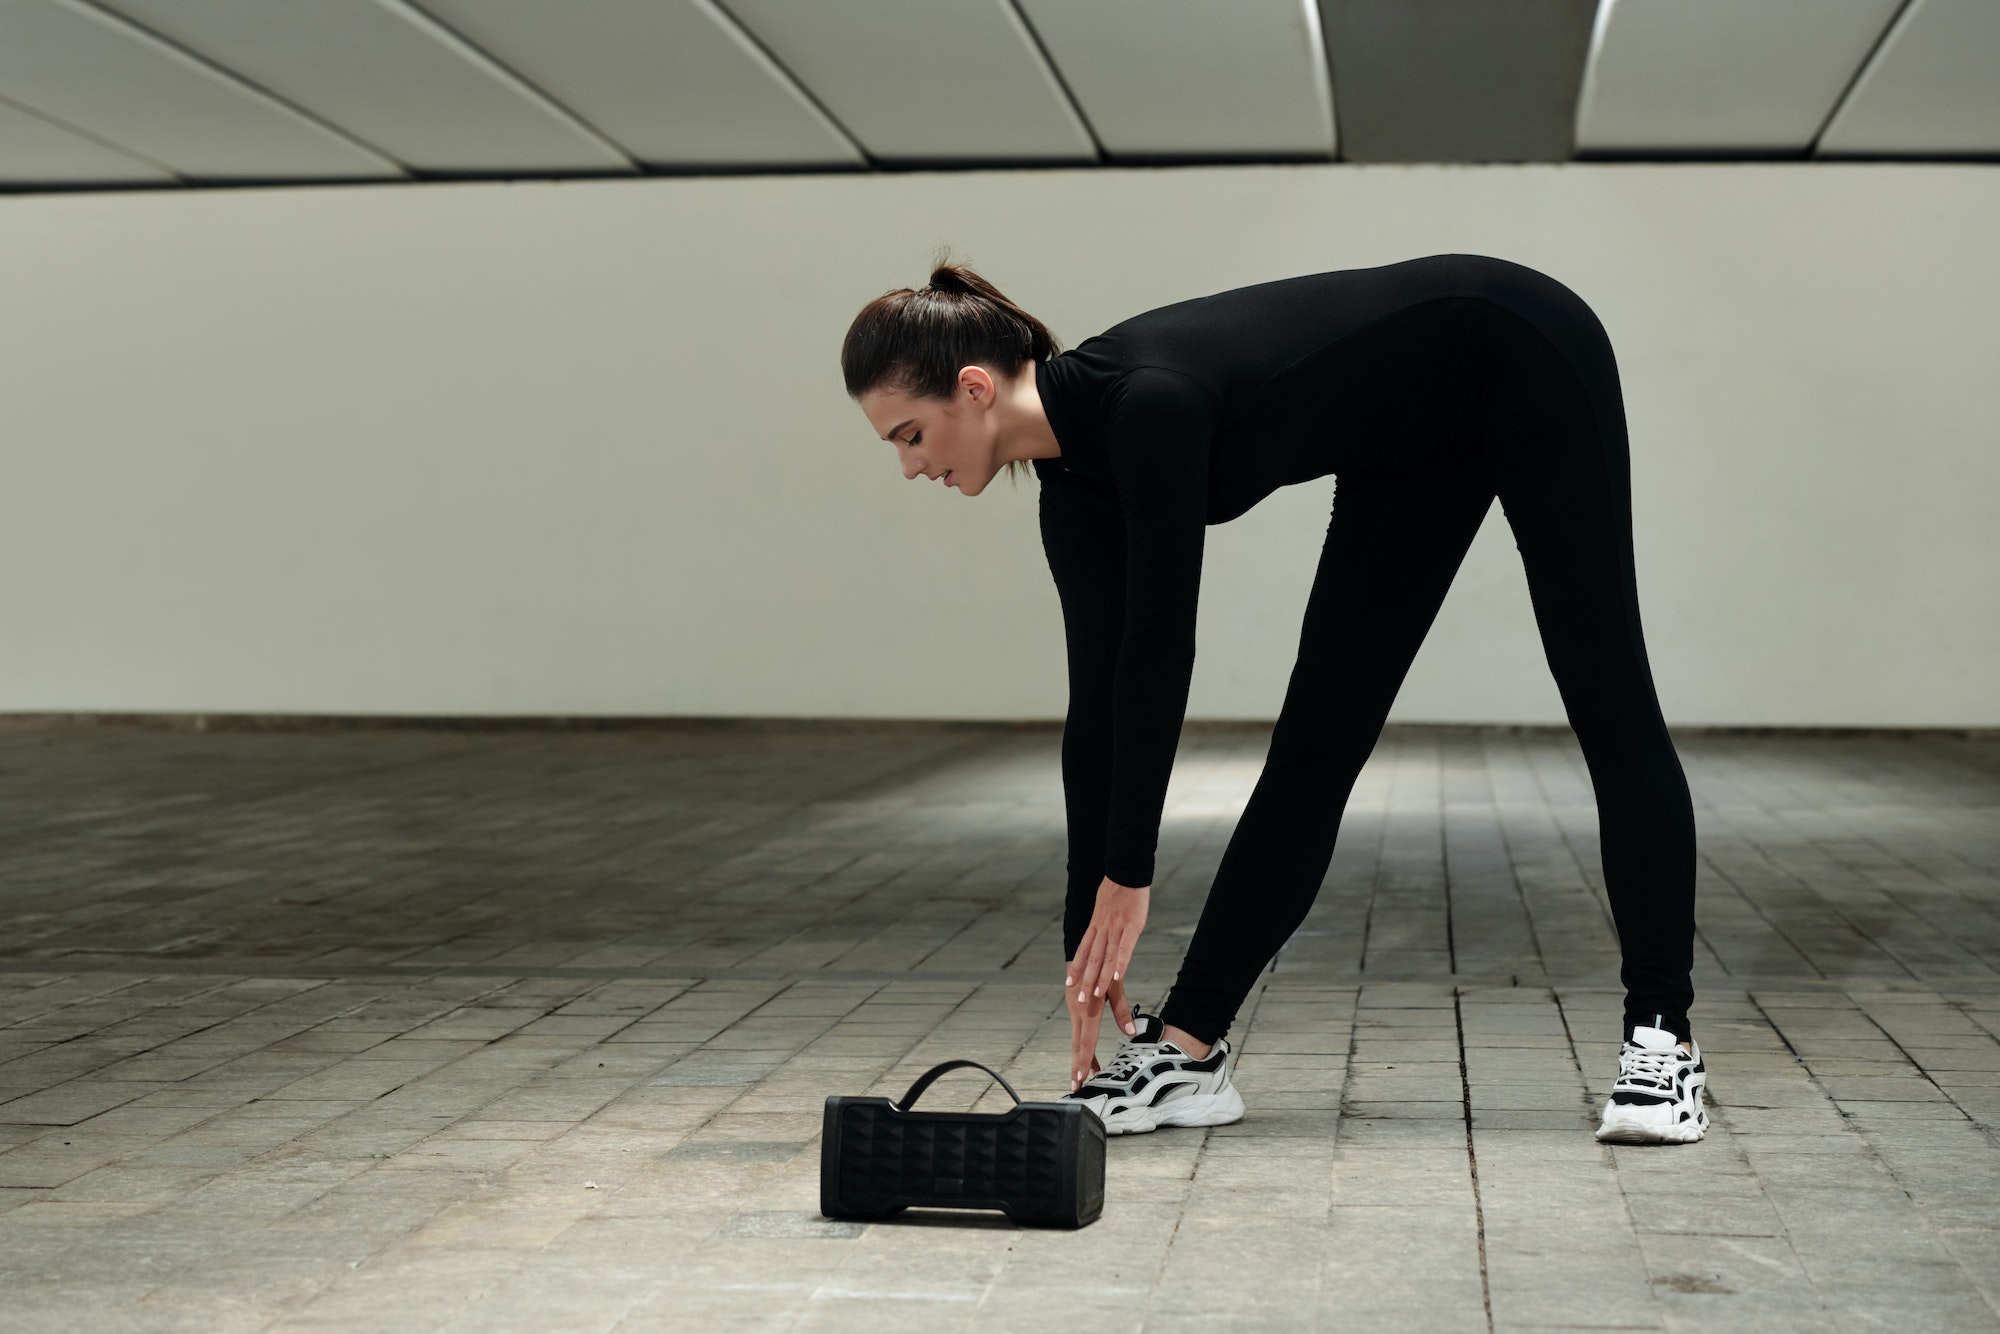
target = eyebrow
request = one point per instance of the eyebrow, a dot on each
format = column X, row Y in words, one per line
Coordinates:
column 897, row 427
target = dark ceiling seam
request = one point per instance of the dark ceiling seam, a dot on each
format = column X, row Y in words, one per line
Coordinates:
column 93, row 137
column 637, row 166
column 1854, row 79
column 231, row 76
column 1055, row 70
column 744, row 31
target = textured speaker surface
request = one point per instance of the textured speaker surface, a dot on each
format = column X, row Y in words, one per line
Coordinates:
column 886, row 1157
column 1039, row 1163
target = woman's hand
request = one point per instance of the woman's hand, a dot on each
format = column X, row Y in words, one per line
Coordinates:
column 1085, row 1018
column 1097, row 972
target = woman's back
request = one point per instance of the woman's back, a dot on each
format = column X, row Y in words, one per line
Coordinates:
column 1354, row 369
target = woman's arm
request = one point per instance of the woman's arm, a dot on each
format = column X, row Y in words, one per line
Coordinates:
column 1128, row 568
column 1160, row 427
column 1083, row 535
column 1127, row 565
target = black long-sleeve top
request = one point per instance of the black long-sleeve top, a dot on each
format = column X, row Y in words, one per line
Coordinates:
column 1188, row 415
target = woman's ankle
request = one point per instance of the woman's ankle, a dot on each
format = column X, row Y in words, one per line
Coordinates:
column 1186, row 1041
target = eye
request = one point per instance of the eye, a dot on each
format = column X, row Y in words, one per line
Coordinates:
column 916, row 436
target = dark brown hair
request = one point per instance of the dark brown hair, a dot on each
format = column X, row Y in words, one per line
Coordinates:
column 915, row 341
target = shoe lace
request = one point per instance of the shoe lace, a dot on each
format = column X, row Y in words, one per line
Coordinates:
column 1131, row 1055
column 1126, row 1063
column 1640, row 1068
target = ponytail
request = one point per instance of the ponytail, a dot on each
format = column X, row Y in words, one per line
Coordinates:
column 915, row 341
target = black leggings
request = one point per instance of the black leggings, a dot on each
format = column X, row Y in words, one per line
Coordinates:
column 1545, row 432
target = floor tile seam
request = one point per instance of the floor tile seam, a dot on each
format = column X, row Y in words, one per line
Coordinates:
column 1992, row 1139
column 1160, row 1269
column 95, row 997
column 1440, row 777
column 1002, row 907
column 1955, row 1007
column 834, row 912
column 1338, row 977
column 1325, row 1258
column 297, row 1306
column 1776, row 819
column 215, row 1113
column 1757, row 909
column 1875, row 1155
column 1839, row 1104
column 1472, row 1162
column 1887, row 941
column 993, row 1280
column 265, row 1045
column 1957, row 898
column 179, row 1273
column 897, row 776
column 1578, row 863
column 220, row 983
column 1507, row 850
column 1617, row 1177
column 82, row 1078
column 1020, row 887
column 471, row 1111
column 691, row 976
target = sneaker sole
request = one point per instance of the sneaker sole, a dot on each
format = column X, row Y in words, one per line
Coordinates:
column 1624, row 1131
column 1203, row 1109
column 1630, row 1132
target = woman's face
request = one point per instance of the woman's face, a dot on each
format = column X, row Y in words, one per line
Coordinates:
column 950, row 440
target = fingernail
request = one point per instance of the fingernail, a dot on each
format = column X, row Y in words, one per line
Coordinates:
column 1081, row 996
column 1068, row 981
column 1115, row 975
column 1132, row 1029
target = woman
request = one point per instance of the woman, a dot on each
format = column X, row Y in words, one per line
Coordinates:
column 1429, row 387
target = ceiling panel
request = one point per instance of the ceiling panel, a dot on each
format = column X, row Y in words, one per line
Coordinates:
column 1457, row 80
column 1932, row 88
column 676, row 83
column 1669, row 75
column 925, row 81
column 389, row 75
column 87, row 68
column 1193, row 78
column 37, row 151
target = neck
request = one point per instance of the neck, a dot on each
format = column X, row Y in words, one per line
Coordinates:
column 1024, row 431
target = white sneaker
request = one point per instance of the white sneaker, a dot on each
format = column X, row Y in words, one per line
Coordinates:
column 1152, row 1082
column 1658, row 1096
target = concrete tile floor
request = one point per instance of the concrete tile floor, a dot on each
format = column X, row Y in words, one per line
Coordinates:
column 412, row 1029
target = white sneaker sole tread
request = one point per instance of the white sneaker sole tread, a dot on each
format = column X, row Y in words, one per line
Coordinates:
column 1221, row 1108
column 1629, row 1130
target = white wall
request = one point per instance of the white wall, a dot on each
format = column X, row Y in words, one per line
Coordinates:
column 583, row 448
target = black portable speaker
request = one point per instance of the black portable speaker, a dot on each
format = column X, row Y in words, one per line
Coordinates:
column 1038, row 1162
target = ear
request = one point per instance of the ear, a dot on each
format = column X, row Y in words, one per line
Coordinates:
column 977, row 381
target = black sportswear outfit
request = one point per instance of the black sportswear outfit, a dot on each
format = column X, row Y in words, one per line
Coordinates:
column 1429, row 386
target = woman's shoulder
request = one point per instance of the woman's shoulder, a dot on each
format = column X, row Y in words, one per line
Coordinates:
column 1158, row 379
column 1109, row 365
column 1081, row 498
